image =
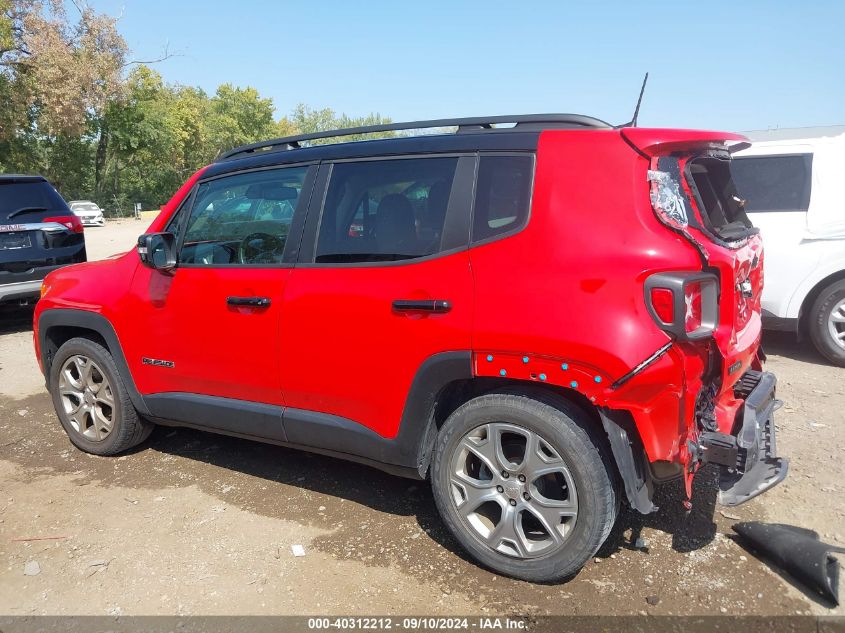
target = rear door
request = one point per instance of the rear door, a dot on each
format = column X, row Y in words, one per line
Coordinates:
column 37, row 230
column 383, row 284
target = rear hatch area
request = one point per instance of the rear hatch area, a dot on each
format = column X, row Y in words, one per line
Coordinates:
column 693, row 193
column 729, row 411
column 38, row 232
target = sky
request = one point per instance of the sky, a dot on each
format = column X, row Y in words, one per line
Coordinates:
column 741, row 65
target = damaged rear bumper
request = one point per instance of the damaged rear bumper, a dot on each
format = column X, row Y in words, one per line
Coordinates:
column 749, row 462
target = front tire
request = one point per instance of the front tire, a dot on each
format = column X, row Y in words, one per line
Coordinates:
column 523, row 485
column 827, row 323
column 92, row 402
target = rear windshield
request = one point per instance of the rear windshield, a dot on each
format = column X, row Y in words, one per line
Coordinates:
column 722, row 209
column 24, row 201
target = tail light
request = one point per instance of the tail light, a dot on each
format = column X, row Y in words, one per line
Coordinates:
column 684, row 304
column 666, row 199
column 72, row 222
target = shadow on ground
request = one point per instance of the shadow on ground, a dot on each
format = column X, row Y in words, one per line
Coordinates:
column 377, row 519
column 307, row 472
column 787, row 344
column 15, row 318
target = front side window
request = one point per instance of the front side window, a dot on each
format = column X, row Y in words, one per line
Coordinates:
column 385, row 210
column 503, row 195
column 773, row 183
column 242, row 219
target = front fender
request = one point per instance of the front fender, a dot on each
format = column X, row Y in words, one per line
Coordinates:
column 53, row 325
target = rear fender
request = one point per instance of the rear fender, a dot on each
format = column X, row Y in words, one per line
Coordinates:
column 642, row 412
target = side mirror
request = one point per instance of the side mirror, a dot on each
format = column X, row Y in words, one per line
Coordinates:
column 158, row 251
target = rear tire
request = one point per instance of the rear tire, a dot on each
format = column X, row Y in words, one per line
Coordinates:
column 827, row 323
column 558, row 480
column 92, row 402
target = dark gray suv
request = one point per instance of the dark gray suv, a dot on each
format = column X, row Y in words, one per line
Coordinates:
column 38, row 233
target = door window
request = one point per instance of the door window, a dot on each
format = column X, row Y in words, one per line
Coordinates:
column 385, row 210
column 243, row 218
column 503, row 195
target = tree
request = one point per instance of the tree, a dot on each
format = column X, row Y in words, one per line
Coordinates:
column 75, row 110
column 63, row 71
column 306, row 120
column 238, row 116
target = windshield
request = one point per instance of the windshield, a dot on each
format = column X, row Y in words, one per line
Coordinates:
column 34, row 196
column 84, row 206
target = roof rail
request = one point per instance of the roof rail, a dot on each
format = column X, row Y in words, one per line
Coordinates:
column 464, row 125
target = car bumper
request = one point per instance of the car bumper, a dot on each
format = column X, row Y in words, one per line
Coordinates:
column 749, row 461
column 24, row 290
column 99, row 221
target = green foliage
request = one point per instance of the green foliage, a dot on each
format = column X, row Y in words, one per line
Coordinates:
column 72, row 112
column 306, row 120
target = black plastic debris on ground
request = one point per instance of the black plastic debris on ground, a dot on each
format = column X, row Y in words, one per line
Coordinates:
column 796, row 551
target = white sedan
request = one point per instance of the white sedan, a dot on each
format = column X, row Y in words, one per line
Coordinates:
column 88, row 212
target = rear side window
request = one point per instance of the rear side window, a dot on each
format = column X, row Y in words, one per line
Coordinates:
column 25, row 201
column 385, row 210
column 774, row 183
column 242, row 219
column 503, row 195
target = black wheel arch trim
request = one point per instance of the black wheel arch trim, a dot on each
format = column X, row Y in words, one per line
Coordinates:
column 410, row 450
column 84, row 319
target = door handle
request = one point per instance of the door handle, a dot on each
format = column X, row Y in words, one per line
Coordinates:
column 439, row 306
column 253, row 302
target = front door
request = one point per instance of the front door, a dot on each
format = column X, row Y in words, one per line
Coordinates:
column 211, row 327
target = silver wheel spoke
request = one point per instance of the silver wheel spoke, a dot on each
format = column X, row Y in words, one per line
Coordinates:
column 508, row 534
column 104, row 396
column 87, row 398
column 498, row 431
column 484, row 450
column 540, row 458
column 68, row 379
column 475, row 495
column 95, row 426
column 83, row 367
column 103, row 422
column 549, row 518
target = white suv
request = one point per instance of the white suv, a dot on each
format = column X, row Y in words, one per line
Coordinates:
column 793, row 183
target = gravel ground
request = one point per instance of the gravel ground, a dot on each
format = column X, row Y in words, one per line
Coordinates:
column 193, row 523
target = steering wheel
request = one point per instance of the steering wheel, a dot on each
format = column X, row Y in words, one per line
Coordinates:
column 260, row 248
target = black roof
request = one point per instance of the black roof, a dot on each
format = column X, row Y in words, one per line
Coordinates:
column 472, row 135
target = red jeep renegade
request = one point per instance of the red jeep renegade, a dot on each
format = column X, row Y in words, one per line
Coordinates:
column 543, row 319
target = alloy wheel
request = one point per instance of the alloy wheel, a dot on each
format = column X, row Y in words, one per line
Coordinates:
column 87, row 398
column 513, row 490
